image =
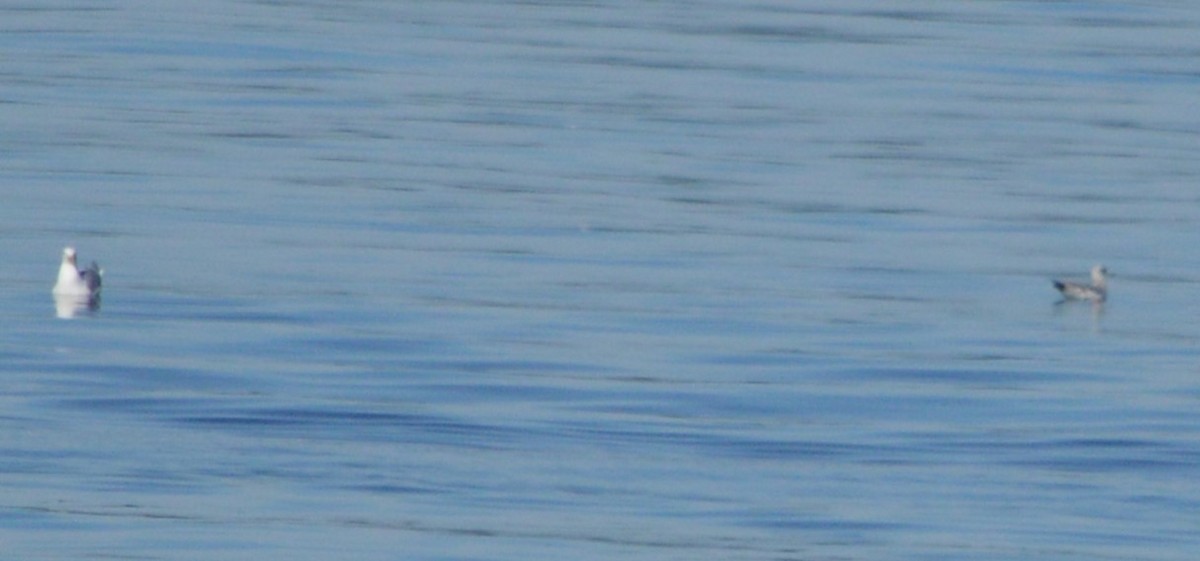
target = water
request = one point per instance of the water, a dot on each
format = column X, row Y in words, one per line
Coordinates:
column 480, row 280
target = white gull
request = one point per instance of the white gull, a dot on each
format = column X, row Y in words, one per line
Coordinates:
column 75, row 283
column 1096, row 292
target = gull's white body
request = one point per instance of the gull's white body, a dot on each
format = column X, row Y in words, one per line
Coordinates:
column 1095, row 292
column 75, row 283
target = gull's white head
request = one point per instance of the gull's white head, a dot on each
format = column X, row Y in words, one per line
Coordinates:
column 1099, row 275
column 69, row 255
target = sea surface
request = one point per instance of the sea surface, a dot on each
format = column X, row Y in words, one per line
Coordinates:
column 487, row 280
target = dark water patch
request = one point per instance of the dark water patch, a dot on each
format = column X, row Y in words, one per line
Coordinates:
column 915, row 15
column 965, row 376
column 142, row 406
column 515, row 367
column 797, row 33
column 1083, row 218
column 391, row 489
column 1109, row 465
column 357, row 425
column 502, row 393
column 675, row 440
column 681, row 406
column 884, row 297
column 225, row 50
column 355, row 347
column 183, row 308
column 254, row 135
column 150, row 479
column 614, row 437
column 46, row 459
column 1094, row 455
column 135, row 511
column 128, row 377
column 800, row 451
column 853, row 531
column 688, row 324
column 765, row 358
column 838, row 208
column 1174, row 502
column 617, row 541
column 1108, row 455
column 38, row 519
column 308, row 417
column 644, row 61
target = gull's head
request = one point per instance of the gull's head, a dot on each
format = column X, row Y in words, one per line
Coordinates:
column 1099, row 273
column 69, row 255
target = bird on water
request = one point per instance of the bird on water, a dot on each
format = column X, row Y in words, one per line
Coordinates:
column 73, row 282
column 1095, row 292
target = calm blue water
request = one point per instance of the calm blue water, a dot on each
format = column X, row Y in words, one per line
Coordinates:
column 667, row 280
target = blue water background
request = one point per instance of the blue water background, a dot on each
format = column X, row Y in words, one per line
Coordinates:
column 627, row 280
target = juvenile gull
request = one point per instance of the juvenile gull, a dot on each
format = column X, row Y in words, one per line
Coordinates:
column 1096, row 292
column 75, row 283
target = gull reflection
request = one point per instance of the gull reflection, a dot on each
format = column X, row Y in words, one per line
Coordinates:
column 67, row 306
